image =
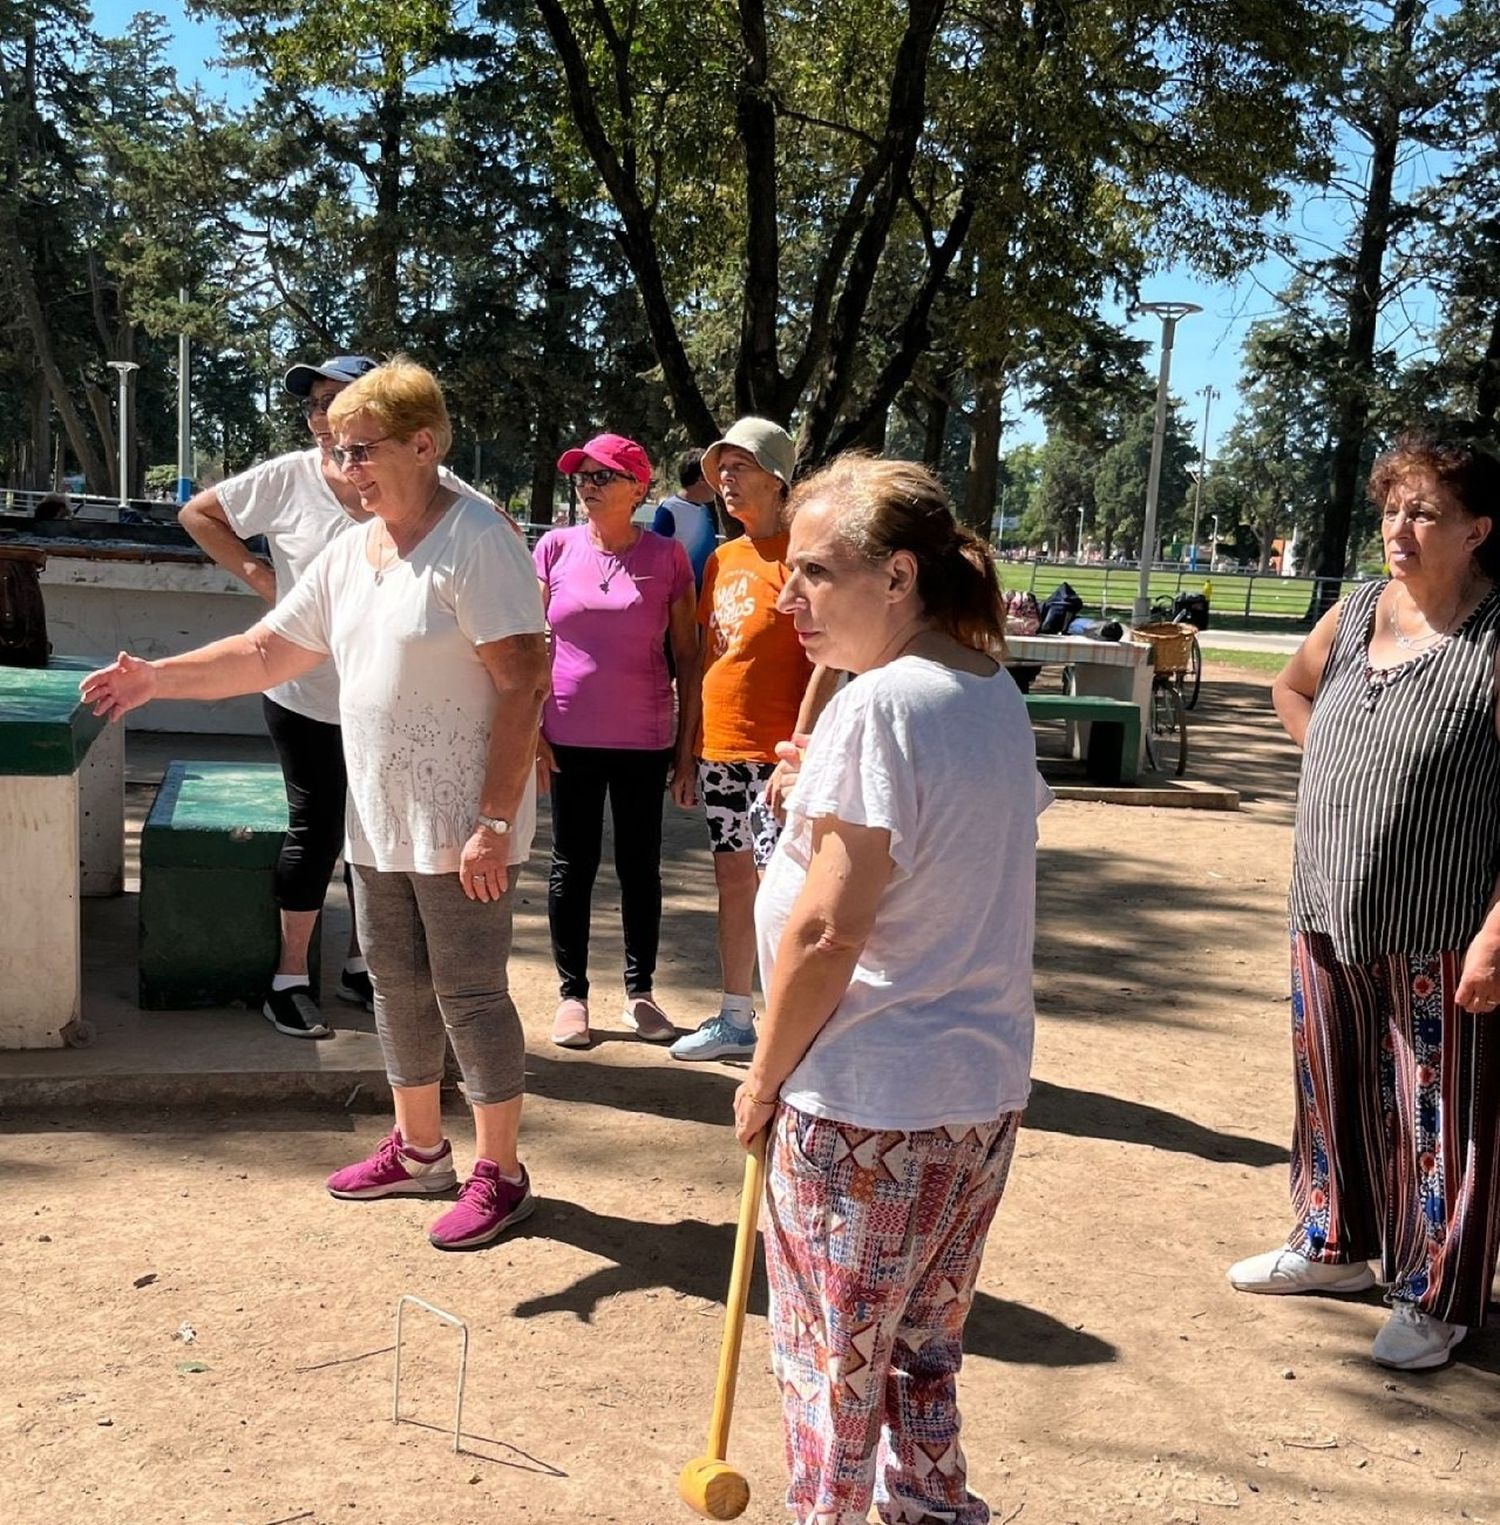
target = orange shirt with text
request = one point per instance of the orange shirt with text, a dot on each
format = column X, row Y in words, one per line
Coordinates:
column 754, row 670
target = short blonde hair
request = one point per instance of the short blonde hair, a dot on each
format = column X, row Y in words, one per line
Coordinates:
column 399, row 397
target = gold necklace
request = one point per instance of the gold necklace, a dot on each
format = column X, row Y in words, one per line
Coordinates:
column 382, row 566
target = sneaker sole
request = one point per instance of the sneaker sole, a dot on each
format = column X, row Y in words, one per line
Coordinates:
column 667, row 1034
column 353, row 998
column 581, row 1040
column 522, row 1212
column 295, row 1032
column 418, row 1186
column 708, row 1055
column 1420, row 1363
column 1360, row 1281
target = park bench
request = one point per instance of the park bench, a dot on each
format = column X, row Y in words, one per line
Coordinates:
column 209, row 929
column 1112, row 749
column 62, row 836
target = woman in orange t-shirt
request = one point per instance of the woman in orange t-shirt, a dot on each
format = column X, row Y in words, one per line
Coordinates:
column 754, row 675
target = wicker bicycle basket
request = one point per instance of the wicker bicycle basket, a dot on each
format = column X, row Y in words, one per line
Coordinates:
column 1171, row 645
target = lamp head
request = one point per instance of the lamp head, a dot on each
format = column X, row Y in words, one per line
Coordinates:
column 1168, row 312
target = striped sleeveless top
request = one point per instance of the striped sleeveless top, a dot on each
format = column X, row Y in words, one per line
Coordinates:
column 1397, row 837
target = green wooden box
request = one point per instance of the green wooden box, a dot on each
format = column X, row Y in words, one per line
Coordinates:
column 209, row 930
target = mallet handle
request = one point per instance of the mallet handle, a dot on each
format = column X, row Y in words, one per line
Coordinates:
column 739, row 1293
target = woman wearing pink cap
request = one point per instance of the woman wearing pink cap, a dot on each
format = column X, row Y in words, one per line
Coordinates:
column 613, row 593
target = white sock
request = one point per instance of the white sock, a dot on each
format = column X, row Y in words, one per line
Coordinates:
column 740, row 1009
column 289, row 981
column 356, row 965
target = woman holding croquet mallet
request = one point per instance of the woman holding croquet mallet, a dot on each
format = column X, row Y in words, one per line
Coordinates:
column 1395, row 918
column 895, row 925
column 433, row 620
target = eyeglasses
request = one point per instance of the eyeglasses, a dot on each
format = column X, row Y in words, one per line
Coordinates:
column 601, row 478
column 355, row 455
column 308, row 406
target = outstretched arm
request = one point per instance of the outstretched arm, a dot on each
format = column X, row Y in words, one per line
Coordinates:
column 239, row 664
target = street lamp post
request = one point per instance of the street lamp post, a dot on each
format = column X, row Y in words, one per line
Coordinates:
column 184, row 409
column 124, row 367
column 1213, row 550
column 1208, row 394
column 1170, row 313
column 1078, row 549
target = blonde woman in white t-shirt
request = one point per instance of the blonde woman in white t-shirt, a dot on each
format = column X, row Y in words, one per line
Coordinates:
column 895, row 925
column 299, row 502
column 431, row 615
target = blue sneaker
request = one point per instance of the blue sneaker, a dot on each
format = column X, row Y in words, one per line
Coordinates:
column 718, row 1038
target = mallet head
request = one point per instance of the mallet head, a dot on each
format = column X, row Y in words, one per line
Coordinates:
column 714, row 1489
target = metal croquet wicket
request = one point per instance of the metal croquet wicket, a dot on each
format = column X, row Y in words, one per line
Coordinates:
column 463, row 1363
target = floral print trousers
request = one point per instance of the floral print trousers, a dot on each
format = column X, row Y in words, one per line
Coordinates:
column 873, row 1244
column 1396, row 1149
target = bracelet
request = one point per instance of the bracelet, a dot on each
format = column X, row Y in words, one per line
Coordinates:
column 759, row 1103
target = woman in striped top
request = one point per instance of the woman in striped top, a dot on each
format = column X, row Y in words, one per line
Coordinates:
column 1395, row 916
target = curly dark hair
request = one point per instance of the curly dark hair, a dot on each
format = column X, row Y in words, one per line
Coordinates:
column 1467, row 469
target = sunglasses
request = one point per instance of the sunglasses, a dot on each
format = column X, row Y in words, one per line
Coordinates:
column 355, row 455
column 601, row 478
column 309, row 406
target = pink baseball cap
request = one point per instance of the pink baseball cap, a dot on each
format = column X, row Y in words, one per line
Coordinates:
column 617, row 452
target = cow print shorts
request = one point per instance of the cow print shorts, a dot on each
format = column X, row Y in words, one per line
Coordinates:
column 739, row 820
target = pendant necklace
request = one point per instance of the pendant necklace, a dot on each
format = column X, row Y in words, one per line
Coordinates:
column 607, row 576
column 382, row 566
column 1434, row 634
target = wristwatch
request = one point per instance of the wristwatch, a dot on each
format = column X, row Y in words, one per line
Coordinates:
column 493, row 823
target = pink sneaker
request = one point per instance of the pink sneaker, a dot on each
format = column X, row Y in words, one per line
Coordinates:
column 570, row 1024
column 644, row 1016
column 486, row 1207
column 394, row 1170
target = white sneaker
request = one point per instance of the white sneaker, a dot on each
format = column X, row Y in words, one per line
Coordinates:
column 1283, row 1272
column 1415, row 1341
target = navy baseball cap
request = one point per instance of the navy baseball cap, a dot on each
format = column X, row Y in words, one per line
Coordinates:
column 345, row 368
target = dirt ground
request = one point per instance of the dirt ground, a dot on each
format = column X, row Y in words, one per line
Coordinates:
column 1112, row 1374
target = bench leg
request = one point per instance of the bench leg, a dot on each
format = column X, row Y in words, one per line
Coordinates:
column 101, row 805
column 40, row 963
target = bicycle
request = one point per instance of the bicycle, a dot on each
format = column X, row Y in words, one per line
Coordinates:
column 1173, row 647
column 1191, row 679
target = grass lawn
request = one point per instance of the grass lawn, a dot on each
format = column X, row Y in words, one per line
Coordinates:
column 1235, row 596
column 1248, row 661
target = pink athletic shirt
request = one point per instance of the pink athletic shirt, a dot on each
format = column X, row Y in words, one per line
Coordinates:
column 610, row 684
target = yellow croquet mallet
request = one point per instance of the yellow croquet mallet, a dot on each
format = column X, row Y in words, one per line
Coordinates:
column 708, row 1483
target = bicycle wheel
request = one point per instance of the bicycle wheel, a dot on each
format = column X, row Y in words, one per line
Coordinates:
column 1168, row 726
column 1193, row 679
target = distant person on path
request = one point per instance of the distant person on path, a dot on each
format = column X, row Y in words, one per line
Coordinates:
column 431, row 616
column 754, row 676
column 895, row 1053
column 688, row 515
column 614, row 593
column 299, row 502
column 1395, row 916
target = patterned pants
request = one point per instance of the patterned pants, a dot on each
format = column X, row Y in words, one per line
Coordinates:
column 1396, row 1152
column 873, row 1242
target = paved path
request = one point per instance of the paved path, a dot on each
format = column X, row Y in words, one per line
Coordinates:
column 1248, row 640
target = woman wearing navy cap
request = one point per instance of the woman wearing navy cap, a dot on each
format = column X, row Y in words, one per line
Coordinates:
column 299, row 501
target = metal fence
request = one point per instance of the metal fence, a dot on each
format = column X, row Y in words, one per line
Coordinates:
column 1112, row 586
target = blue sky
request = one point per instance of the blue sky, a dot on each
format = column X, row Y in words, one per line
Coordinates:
column 1207, row 346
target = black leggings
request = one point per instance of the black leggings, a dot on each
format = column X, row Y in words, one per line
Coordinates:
column 312, row 765
column 635, row 782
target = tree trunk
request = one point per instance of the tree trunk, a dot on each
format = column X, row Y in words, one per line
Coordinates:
column 382, row 315
column 935, row 435
column 95, row 473
column 978, row 509
column 1362, row 312
column 41, row 438
column 544, row 471
column 1487, row 381
column 757, row 372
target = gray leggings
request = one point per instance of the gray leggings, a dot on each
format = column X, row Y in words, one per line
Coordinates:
column 438, row 960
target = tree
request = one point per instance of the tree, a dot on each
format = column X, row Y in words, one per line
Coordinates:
column 1120, row 483
column 792, row 189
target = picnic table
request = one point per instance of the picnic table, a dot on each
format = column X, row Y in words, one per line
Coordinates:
column 62, row 834
column 1104, row 669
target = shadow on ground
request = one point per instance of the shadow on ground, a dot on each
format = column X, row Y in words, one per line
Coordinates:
column 691, row 1258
